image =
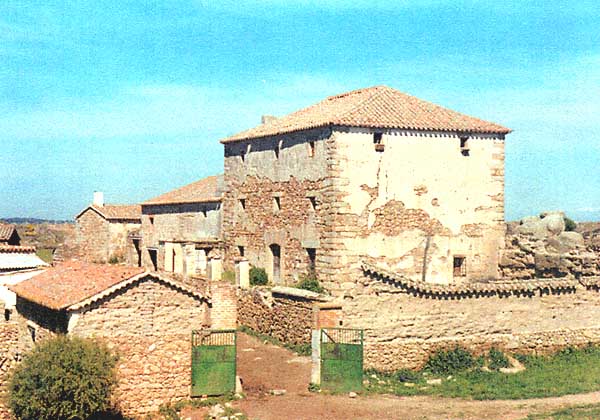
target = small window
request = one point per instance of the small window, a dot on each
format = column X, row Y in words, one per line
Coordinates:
column 243, row 155
column 241, row 251
column 151, row 218
column 278, row 149
column 464, row 146
column 7, row 314
column 311, row 148
column 313, row 203
column 312, row 259
column 242, row 203
column 153, row 254
column 460, row 267
column 378, row 142
column 276, row 203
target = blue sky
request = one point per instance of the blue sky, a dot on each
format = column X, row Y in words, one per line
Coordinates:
column 131, row 98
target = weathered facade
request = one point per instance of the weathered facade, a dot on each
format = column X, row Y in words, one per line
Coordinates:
column 181, row 229
column 104, row 231
column 371, row 173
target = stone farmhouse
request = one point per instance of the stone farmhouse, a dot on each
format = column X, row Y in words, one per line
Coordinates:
column 373, row 173
column 181, row 229
column 104, row 231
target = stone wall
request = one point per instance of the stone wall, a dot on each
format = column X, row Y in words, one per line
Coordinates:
column 414, row 206
column 150, row 325
column 287, row 316
column 402, row 328
column 14, row 341
column 223, row 307
column 99, row 240
column 183, row 228
column 255, row 179
column 92, row 236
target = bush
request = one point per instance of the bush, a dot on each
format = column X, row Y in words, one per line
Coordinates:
column 310, row 282
column 228, row 275
column 444, row 362
column 258, row 276
column 570, row 224
column 64, row 378
column 497, row 359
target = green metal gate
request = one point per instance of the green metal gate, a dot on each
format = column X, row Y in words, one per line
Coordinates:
column 213, row 362
column 341, row 359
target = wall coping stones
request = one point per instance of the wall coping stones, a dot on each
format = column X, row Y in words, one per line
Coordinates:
column 476, row 289
column 299, row 293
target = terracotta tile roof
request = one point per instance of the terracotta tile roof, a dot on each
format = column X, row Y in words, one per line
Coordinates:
column 206, row 190
column 116, row 211
column 6, row 231
column 72, row 282
column 23, row 249
column 375, row 107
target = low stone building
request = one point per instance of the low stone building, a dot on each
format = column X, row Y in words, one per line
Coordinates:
column 181, row 229
column 104, row 232
column 147, row 318
column 9, row 235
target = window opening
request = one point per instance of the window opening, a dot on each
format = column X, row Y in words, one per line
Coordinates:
column 460, row 267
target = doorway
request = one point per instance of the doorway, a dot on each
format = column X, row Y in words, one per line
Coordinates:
column 276, row 258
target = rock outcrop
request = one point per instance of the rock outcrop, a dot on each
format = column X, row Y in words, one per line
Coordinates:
column 539, row 247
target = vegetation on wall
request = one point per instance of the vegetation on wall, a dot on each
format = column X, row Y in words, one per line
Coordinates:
column 310, row 282
column 63, row 378
column 258, row 276
column 570, row 224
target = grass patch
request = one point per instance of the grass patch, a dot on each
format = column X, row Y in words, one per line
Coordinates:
column 571, row 371
column 172, row 411
column 299, row 349
column 582, row 412
column 228, row 275
column 45, row 254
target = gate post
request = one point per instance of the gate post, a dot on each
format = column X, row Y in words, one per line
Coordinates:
column 315, row 372
column 242, row 273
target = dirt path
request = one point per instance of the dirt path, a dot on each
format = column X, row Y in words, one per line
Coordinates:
column 264, row 367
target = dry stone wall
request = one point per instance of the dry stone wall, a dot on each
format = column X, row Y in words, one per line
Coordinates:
column 402, row 329
column 282, row 316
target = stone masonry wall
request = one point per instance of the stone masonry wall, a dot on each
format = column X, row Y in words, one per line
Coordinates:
column 260, row 172
column 14, row 341
column 410, row 216
column 150, row 326
column 402, row 329
column 92, row 236
column 288, row 319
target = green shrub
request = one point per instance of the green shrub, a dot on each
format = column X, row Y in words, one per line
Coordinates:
column 258, row 276
column 64, row 378
column 310, row 282
column 443, row 362
column 570, row 224
column 497, row 359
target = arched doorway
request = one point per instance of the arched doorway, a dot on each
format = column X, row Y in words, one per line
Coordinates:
column 276, row 261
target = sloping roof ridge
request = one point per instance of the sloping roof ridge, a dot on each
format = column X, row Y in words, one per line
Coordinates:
column 154, row 200
column 129, row 281
column 355, row 91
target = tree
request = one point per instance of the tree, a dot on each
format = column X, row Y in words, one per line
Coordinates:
column 63, row 378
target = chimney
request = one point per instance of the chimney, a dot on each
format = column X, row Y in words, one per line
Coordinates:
column 98, row 198
column 265, row 119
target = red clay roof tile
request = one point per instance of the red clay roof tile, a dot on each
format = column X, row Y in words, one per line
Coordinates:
column 375, row 107
column 206, row 190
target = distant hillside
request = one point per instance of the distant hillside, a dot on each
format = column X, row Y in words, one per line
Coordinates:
column 32, row 220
